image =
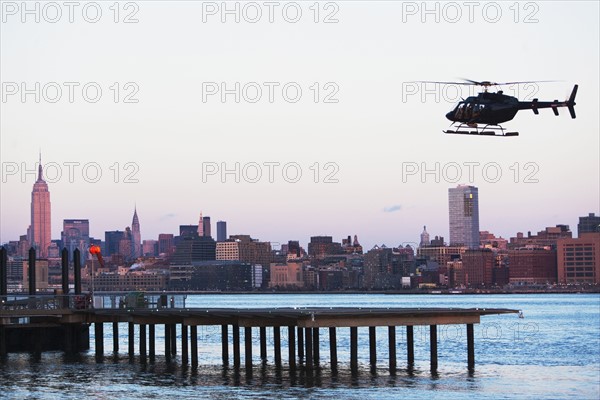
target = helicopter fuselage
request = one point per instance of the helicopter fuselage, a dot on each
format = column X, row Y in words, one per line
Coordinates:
column 495, row 108
column 485, row 108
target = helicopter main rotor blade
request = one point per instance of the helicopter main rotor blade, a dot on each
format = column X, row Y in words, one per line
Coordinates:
column 446, row 83
column 516, row 83
column 482, row 83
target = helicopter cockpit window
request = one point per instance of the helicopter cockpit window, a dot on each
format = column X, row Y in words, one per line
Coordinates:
column 459, row 111
column 468, row 113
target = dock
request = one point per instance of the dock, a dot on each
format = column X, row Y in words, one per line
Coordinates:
column 304, row 326
column 36, row 323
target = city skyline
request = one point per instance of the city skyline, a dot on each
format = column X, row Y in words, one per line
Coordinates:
column 463, row 222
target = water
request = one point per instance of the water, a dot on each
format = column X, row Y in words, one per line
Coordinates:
column 554, row 352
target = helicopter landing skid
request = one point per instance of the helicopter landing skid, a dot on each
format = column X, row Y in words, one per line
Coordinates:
column 488, row 130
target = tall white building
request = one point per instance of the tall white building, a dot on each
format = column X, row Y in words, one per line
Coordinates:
column 463, row 204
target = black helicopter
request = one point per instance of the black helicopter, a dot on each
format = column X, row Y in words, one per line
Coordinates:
column 493, row 108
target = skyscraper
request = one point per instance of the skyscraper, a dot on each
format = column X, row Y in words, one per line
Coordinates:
column 221, row 231
column 136, row 236
column 112, row 240
column 206, row 226
column 200, row 226
column 588, row 224
column 39, row 230
column 424, row 238
column 76, row 235
column 463, row 204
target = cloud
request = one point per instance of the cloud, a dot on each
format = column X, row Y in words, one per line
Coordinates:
column 167, row 216
column 395, row 207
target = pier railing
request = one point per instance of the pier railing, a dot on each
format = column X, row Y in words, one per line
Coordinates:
column 128, row 301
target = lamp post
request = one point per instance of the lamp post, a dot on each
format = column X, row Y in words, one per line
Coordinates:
column 95, row 250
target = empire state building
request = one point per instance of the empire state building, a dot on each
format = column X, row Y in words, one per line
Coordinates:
column 39, row 231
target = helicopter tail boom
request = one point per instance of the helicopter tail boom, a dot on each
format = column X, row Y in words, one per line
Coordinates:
column 554, row 105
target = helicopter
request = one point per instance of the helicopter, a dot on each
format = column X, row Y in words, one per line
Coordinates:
column 493, row 108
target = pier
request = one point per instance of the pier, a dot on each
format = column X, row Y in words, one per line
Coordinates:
column 70, row 319
column 36, row 323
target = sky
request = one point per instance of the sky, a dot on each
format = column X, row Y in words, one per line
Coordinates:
column 294, row 119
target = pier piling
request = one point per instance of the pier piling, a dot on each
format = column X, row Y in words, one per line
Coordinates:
column 316, row 350
column 167, row 342
column 354, row 348
column 433, row 347
column 115, row 334
column 194, row 345
column 99, row 336
column 372, row 347
column 225, row 345
column 236, row 346
column 333, row 347
column 300, row 344
column 277, row 345
column 263, row 344
column 410, row 345
column 151, row 343
column 131, row 339
column 248, row 347
column 142, row 330
column 392, row 348
column 308, row 344
column 184, row 345
column 173, row 328
column 292, row 346
column 470, row 348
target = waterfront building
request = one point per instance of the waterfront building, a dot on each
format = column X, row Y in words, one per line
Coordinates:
column 579, row 259
column 478, row 267
column 546, row 238
column 532, row 266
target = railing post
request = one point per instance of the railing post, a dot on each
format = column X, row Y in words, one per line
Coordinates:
column 3, row 271
column 77, row 271
column 31, row 271
column 64, row 255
